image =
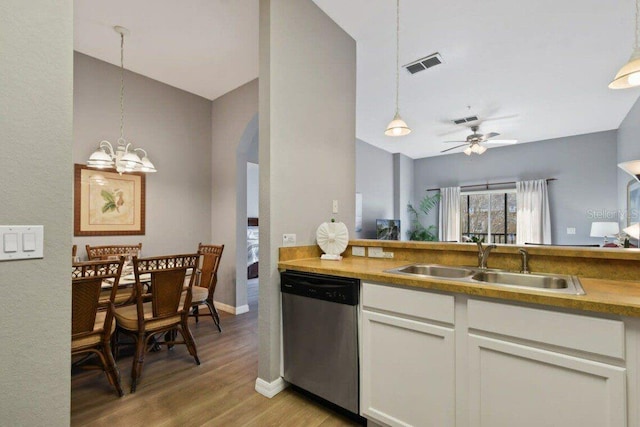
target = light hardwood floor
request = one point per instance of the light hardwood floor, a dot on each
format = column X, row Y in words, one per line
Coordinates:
column 173, row 391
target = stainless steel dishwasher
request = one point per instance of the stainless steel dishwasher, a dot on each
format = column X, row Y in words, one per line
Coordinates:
column 320, row 334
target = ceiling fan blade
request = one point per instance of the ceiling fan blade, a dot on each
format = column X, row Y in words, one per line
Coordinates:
column 452, row 148
column 491, row 119
column 490, row 135
column 501, row 141
column 449, row 142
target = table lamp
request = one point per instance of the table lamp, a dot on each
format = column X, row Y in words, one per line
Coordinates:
column 633, row 231
column 604, row 229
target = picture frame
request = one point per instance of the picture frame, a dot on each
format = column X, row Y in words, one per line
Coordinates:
column 633, row 202
column 107, row 203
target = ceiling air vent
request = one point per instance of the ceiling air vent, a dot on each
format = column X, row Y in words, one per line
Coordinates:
column 465, row 120
column 424, row 63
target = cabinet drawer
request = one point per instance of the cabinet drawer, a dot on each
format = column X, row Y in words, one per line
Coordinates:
column 583, row 333
column 409, row 302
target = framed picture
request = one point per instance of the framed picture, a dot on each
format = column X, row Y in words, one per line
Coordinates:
column 633, row 202
column 107, row 203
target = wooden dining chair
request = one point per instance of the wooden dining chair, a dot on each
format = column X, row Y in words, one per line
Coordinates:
column 207, row 280
column 162, row 311
column 104, row 252
column 91, row 329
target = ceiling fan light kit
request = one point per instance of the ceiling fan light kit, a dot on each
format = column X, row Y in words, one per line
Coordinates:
column 474, row 142
column 629, row 74
column 397, row 126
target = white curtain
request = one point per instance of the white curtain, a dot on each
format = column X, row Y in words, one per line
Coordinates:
column 532, row 200
column 449, row 221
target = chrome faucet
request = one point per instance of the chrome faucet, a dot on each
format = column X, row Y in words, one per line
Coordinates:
column 525, row 261
column 483, row 254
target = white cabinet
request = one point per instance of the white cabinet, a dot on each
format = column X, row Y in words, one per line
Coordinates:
column 432, row 359
column 531, row 367
column 519, row 385
column 408, row 361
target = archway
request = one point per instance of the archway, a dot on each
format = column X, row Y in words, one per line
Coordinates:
column 246, row 151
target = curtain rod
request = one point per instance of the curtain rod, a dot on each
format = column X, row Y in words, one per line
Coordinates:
column 489, row 184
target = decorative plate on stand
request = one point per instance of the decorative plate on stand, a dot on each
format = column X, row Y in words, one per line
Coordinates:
column 333, row 238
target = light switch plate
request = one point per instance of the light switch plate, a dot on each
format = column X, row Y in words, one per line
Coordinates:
column 571, row 230
column 21, row 242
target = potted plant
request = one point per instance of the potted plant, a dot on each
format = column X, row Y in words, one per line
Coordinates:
column 419, row 231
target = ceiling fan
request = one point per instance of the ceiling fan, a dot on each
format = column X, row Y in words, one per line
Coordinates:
column 475, row 142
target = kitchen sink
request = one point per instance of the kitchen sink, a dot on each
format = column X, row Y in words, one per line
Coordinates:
column 434, row 271
column 556, row 283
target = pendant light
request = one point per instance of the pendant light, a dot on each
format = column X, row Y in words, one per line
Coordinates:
column 123, row 157
column 629, row 74
column 632, row 168
column 397, row 126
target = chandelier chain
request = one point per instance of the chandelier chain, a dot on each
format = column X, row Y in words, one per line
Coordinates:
column 398, row 53
column 121, row 88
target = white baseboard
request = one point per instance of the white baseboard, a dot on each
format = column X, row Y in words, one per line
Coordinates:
column 231, row 309
column 270, row 389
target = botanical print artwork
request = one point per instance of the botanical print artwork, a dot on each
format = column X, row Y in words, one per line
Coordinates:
column 111, row 202
column 106, row 203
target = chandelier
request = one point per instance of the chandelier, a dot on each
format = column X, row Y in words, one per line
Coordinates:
column 123, row 157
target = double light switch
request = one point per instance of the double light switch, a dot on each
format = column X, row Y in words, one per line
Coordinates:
column 21, row 242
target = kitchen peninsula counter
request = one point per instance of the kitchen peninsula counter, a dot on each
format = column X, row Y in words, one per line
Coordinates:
column 609, row 289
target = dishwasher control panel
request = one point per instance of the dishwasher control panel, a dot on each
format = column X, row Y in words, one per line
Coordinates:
column 340, row 290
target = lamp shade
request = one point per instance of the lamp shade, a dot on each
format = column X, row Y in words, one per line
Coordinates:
column 397, row 127
column 604, row 229
column 629, row 74
column 633, row 230
column 632, row 168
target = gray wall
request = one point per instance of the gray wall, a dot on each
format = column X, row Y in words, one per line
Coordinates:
column 375, row 181
column 36, row 127
column 307, row 142
column 174, row 127
column 403, row 191
column 628, row 149
column 234, row 126
column 253, row 189
column 585, row 166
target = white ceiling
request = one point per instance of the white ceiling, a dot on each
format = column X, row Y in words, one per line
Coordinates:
column 543, row 66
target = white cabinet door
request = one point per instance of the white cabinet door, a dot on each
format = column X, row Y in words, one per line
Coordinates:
column 517, row 385
column 408, row 371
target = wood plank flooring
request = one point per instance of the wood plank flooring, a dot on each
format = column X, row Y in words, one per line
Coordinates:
column 174, row 391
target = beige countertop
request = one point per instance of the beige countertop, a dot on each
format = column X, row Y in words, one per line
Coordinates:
column 619, row 297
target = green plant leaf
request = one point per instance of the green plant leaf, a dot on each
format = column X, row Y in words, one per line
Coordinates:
column 107, row 196
column 109, row 206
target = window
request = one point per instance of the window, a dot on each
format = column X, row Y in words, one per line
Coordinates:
column 490, row 216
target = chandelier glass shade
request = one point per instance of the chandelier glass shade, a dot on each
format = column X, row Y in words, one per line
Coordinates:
column 123, row 157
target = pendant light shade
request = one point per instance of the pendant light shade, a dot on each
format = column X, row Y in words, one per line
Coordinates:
column 632, row 168
column 397, row 126
column 629, row 74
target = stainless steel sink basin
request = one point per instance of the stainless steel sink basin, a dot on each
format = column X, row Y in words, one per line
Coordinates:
column 556, row 283
column 434, row 270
